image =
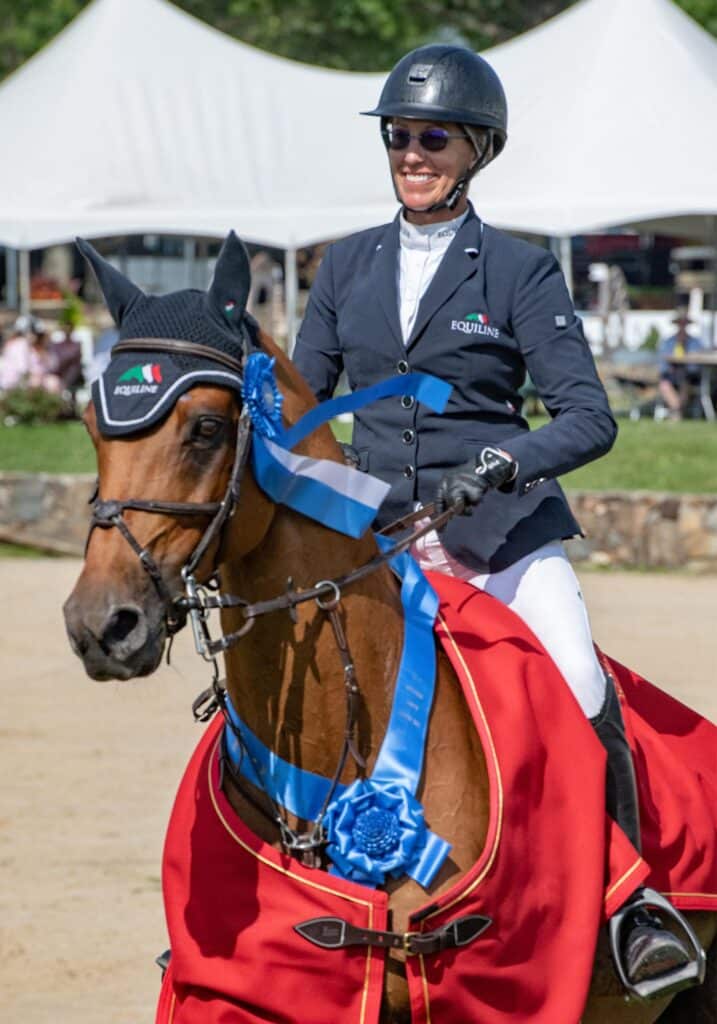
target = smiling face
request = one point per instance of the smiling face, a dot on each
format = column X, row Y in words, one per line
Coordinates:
column 423, row 178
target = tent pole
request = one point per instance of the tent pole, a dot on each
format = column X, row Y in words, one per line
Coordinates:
column 291, row 294
column 713, row 289
column 24, row 281
column 566, row 261
column 190, row 263
column 11, row 296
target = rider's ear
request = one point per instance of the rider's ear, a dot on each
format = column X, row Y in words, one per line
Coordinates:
column 229, row 290
column 119, row 292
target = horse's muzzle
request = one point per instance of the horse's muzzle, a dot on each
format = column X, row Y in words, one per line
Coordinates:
column 114, row 641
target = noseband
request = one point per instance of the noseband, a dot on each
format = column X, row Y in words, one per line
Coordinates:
column 107, row 514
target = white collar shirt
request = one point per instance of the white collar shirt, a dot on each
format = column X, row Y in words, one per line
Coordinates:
column 421, row 249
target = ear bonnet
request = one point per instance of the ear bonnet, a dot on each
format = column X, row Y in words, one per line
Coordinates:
column 169, row 343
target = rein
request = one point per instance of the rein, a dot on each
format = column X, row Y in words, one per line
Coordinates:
column 324, row 590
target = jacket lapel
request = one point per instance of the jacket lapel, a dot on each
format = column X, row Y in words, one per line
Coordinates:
column 384, row 279
column 459, row 263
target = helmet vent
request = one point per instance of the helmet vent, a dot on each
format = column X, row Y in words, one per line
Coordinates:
column 419, row 73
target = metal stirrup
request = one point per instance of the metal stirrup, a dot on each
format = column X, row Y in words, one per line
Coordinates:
column 669, row 982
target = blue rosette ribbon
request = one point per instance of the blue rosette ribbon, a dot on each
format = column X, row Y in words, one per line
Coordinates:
column 375, row 829
column 261, row 395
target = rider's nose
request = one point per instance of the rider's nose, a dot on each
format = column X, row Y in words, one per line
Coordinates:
column 124, row 631
column 414, row 154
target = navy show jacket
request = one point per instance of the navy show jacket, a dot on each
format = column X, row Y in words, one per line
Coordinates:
column 496, row 308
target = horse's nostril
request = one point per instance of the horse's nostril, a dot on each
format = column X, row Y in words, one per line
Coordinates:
column 121, row 623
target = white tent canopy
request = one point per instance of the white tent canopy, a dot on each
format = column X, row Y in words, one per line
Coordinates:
column 612, row 120
column 139, row 118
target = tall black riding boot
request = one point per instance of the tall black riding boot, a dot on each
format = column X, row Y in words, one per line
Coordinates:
column 650, row 960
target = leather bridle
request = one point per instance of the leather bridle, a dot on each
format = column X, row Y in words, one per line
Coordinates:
column 200, row 599
column 109, row 513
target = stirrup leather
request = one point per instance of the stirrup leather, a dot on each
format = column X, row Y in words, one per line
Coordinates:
column 669, row 982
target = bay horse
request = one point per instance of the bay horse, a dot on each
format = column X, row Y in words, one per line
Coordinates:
column 160, row 486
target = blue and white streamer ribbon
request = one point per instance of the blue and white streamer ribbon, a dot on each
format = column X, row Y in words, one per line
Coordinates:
column 374, row 827
column 331, row 493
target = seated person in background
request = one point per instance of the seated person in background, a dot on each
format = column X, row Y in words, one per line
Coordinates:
column 24, row 361
column 676, row 382
column 65, row 359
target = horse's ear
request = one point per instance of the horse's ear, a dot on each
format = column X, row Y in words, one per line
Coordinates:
column 229, row 290
column 119, row 292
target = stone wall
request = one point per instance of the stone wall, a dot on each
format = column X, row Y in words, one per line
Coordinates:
column 46, row 511
column 646, row 529
column 640, row 529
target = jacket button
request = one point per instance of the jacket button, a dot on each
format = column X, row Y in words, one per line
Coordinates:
column 408, row 436
column 409, row 472
column 408, row 401
column 402, row 366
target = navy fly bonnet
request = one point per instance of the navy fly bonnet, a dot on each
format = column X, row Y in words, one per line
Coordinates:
column 169, row 343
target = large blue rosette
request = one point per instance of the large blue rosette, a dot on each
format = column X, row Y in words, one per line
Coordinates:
column 375, row 829
column 262, row 396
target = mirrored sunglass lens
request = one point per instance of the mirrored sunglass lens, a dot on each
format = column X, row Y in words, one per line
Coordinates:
column 433, row 139
column 398, row 138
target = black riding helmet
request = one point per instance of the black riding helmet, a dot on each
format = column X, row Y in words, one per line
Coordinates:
column 448, row 83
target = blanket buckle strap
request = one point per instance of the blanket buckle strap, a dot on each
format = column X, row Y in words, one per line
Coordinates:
column 336, row 933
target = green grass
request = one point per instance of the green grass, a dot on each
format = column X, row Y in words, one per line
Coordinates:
column 647, row 455
column 47, row 448
column 652, row 456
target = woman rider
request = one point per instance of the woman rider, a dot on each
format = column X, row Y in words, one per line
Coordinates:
column 439, row 291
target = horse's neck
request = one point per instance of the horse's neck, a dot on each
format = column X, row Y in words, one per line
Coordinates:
column 287, row 680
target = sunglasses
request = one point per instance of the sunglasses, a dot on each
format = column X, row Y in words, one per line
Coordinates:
column 431, row 139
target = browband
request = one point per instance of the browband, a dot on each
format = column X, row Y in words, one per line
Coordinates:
column 188, row 348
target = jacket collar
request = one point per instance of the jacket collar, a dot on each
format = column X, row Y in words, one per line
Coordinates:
column 458, row 264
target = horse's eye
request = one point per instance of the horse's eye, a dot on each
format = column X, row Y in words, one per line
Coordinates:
column 207, row 428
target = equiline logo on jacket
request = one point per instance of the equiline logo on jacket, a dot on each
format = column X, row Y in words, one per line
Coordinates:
column 475, row 323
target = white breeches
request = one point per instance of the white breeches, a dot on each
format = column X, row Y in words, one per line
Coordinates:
column 544, row 591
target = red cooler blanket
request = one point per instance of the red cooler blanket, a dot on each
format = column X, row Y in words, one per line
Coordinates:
column 552, row 869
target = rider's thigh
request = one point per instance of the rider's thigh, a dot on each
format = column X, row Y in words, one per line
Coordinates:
column 544, row 591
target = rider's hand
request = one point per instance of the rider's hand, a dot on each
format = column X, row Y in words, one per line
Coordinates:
column 491, row 467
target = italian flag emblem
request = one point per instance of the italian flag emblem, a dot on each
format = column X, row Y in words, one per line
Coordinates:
column 147, row 373
column 480, row 317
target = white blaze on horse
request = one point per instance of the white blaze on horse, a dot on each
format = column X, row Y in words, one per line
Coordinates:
column 439, row 873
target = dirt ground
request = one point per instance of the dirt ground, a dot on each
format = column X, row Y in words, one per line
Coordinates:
column 89, row 772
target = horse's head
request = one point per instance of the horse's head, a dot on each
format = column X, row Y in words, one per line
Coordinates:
column 165, row 421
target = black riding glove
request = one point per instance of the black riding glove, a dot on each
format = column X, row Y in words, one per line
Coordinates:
column 491, row 467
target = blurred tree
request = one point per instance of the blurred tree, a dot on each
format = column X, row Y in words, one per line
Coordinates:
column 369, row 35
column 703, row 11
column 361, row 35
column 26, row 25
